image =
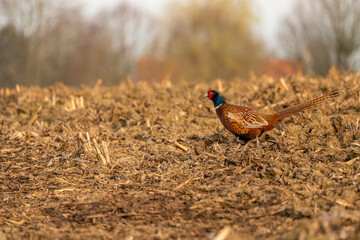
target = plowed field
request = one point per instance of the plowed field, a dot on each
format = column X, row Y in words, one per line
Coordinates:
column 150, row 161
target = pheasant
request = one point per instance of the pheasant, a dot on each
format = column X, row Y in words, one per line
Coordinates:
column 247, row 124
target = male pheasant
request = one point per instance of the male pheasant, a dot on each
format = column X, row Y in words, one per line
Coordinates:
column 246, row 123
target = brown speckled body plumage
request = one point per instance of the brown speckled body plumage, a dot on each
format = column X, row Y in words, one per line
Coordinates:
column 246, row 123
column 237, row 127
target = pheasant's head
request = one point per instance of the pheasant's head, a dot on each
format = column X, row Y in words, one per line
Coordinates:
column 216, row 98
column 211, row 94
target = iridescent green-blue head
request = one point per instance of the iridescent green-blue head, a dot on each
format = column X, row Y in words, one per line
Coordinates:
column 215, row 96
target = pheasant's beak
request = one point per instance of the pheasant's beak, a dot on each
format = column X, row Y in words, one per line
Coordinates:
column 206, row 95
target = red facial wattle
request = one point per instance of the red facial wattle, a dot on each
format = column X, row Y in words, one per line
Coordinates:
column 210, row 94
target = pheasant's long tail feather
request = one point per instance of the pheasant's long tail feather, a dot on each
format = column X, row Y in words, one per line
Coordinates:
column 291, row 110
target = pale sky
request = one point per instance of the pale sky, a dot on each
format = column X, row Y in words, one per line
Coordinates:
column 269, row 12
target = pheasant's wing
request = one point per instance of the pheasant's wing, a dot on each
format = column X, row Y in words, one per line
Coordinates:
column 247, row 117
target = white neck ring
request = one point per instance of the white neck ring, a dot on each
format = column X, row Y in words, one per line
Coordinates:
column 219, row 106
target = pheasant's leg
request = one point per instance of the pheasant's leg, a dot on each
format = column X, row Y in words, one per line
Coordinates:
column 244, row 148
column 258, row 142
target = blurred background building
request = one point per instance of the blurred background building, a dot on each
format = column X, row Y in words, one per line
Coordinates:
column 47, row 41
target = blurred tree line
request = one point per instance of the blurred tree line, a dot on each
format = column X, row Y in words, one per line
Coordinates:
column 212, row 39
column 323, row 33
column 44, row 41
column 47, row 41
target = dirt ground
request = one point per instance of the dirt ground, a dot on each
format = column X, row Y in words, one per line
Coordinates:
column 153, row 162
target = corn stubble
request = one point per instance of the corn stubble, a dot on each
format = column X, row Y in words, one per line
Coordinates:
column 153, row 162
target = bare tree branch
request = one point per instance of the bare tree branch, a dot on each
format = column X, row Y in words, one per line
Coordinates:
column 326, row 31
